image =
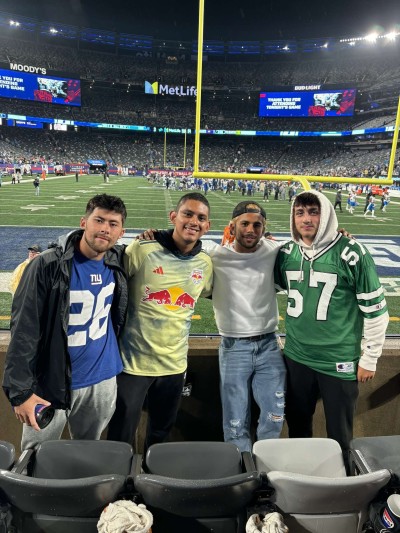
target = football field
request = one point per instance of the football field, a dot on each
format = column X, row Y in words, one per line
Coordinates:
column 26, row 219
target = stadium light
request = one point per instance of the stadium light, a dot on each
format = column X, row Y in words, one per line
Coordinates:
column 14, row 23
column 371, row 38
column 53, row 30
column 391, row 36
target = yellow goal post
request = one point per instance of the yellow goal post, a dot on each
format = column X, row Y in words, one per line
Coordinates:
column 303, row 179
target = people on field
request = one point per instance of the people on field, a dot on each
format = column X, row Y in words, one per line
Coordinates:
column 371, row 207
column 338, row 200
column 36, row 184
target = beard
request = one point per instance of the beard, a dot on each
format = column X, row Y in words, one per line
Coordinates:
column 96, row 245
column 249, row 244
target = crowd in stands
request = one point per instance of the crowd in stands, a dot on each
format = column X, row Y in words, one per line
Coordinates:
column 374, row 70
column 112, row 87
column 144, row 152
column 113, row 92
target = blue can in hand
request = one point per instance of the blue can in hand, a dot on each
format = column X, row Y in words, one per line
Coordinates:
column 44, row 415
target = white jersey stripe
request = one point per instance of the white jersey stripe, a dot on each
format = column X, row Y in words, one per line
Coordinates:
column 369, row 295
column 372, row 308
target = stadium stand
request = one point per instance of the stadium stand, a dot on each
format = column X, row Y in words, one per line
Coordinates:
column 112, row 82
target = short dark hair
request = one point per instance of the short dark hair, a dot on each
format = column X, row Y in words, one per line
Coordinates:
column 107, row 202
column 307, row 198
column 196, row 196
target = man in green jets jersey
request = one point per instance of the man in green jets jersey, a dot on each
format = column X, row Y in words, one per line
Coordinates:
column 334, row 297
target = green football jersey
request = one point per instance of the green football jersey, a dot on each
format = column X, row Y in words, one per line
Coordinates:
column 328, row 298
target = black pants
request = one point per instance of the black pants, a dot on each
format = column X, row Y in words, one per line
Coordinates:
column 163, row 396
column 339, row 396
column 339, row 204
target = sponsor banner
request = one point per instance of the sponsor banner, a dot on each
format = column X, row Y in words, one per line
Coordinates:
column 172, row 90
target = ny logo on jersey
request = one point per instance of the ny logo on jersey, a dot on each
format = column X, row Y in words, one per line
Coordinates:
column 95, row 279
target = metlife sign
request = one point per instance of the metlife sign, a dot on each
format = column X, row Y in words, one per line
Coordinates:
column 177, row 90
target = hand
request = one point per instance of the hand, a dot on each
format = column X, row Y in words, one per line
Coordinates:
column 364, row 375
column 345, row 233
column 25, row 412
column 147, row 235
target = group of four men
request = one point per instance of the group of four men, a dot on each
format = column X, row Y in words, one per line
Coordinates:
column 77, row 299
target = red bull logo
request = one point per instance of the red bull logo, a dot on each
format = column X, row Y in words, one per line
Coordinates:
column 185, row 300
column 159, row 297
column 196, row 276
column 174, row 298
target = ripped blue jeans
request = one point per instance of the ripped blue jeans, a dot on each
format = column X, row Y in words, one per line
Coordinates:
column 247, row 367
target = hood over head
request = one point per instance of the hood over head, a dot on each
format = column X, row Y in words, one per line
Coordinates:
column 328, row 226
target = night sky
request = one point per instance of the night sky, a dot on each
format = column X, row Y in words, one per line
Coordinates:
column 233, row 19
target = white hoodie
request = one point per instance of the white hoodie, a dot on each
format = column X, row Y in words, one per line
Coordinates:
column 374, row 328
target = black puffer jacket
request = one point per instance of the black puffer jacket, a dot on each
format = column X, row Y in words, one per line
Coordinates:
column 37, row 359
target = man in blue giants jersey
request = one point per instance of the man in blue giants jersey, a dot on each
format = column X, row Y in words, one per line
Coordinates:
column 334, row 296
column 66, row 315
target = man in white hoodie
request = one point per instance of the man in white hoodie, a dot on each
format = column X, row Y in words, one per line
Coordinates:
column 334, row 293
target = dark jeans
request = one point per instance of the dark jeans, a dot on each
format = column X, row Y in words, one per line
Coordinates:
column 163, row 396
column 339, row 396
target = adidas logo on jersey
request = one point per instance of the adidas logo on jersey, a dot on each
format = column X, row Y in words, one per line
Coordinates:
column 159, row 270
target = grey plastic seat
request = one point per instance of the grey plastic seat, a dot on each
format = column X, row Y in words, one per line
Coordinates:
column 368, row 454
column 7, row 459
column 377, row 452
column 312, row 490
column 7, row 455
column 197, row 487
column 66, row 484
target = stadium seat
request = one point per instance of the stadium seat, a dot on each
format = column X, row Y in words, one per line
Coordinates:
column 7, row 458
column 368, row 454
column 7, row 455
column 312, row 490
column 197, row 487
column 64, row 485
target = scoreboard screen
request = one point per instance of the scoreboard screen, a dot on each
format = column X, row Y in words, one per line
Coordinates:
column 319, row 103
column 49, row 89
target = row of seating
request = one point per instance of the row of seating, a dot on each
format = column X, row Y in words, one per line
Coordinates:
column 63, row 486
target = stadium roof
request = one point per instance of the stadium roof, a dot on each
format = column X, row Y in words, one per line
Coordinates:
column 236, row 19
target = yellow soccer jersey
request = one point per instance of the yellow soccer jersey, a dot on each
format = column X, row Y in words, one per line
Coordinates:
column 163, row 290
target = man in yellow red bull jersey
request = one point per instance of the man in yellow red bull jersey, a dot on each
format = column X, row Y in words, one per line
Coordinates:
column 165, row 277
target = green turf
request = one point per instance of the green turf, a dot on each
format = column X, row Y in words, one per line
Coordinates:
column 62, row 201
